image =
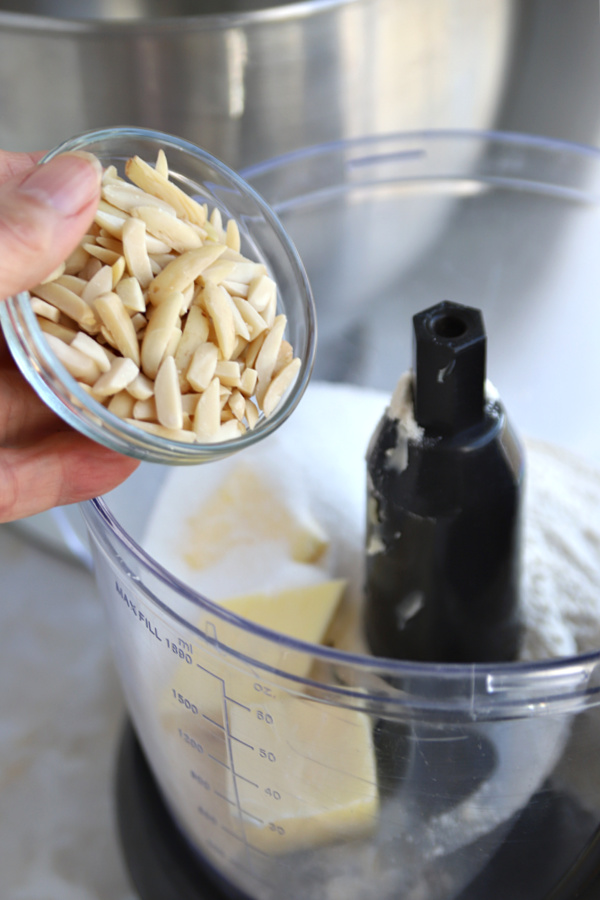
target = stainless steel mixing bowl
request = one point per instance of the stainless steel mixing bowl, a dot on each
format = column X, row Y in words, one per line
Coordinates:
column 247, row 80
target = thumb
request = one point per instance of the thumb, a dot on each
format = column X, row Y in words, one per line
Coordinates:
column 44, row 213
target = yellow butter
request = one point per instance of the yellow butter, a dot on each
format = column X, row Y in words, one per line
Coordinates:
column 303, row 613
column 245, row 512
column 303, row 776
column 227, row 672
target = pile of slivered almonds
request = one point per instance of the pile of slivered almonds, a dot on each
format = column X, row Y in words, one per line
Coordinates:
column 161, row 319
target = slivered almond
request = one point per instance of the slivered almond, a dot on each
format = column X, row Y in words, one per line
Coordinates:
column 110, row 219
column 260, row 291
column 267, row 356
column 231, row 430
column 93, row 349
column 176, row 234
column 183, row 270
column 167, row 395
column 228, row 373
column 188, row 403
column 127, row 196
column 139, row 322
column 248, row 381
column 92, row 266
column 141, row 388
column 216, row 220
column 279, row 386
column 252, row 413
column 237, row 404
column 145, row 409
column 100, row 283
column 121, row 373
column 118, row 270
column 285, row 356
column 195, row 332
column 76, row 261
column 115, row 317
column 121, row 405
column 220, row 310
column 188, row 297
column 232, row 235
column 162, row 320
column 163, row 286
column 56, row 273
column 157, row 185
column 254, row 348
column 270, row 311
column 57, row 330
column 162, row 166
column 251, row 317
column 173, row 342
column 135, row 252
column 108, row 257
column 110, row 243
column 207, row 415
column 218, row 272
column 186, row 437
column 78, row 364
column 131, row 294
column 68, row 302
column 73, row 282
column 201, row 369
column 46, row 310
column 235, row 288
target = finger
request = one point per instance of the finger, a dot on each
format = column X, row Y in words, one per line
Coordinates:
column 61, row 468
column 44, row 212
column 23, row 416
column 13, row 163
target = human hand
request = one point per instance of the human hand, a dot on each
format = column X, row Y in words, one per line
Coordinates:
column 44, row 212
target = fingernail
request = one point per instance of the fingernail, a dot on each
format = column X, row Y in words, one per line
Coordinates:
column 67, row 183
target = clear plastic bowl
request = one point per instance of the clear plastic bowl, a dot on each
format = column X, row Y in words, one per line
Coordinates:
column 263, row 239
column 487, row 777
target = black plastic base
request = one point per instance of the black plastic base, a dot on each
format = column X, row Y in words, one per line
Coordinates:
column 162, row 865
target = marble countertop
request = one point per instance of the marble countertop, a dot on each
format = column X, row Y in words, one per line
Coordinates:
column 61, row 711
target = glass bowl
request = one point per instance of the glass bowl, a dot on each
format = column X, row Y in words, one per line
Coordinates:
column 262, row 239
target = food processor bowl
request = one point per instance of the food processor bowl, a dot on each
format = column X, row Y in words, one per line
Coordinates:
column 317, row 772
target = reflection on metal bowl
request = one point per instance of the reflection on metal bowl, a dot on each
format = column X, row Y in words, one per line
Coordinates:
column 252, row 80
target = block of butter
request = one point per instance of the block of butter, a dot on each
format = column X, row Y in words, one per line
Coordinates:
column 304, row 774
column 301, row 613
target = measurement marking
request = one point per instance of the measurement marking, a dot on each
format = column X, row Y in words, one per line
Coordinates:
column 247, row 780
column 250, row 816
column 237, row 702
column 216, row 848
column 223, row 797
column 212, row 721
column 208, row 672
column 240, row 741
column 217, row 760
column 238, row 837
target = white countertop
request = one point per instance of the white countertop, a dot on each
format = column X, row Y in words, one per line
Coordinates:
column 61, row 711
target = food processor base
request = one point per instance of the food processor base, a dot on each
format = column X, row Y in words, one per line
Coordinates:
column 163, row 866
